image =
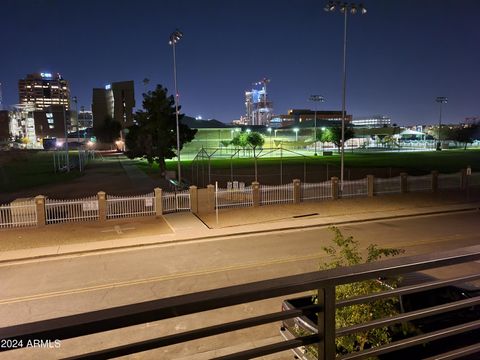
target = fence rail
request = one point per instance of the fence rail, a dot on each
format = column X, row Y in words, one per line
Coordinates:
column 323, row 282
column 234, row 197
column 316, row 191
column 177, row 201
column 18, row 214
column 354, row 188
column 388, row 185
column 121, row 207
column 449, row 181
column 419, row 183
column 276, row 194
column 58, row 211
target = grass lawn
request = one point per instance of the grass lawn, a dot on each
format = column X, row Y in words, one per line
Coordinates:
column 445, row 161
column 27, row 169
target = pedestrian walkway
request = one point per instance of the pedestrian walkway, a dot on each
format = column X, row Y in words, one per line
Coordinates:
column 88, row 237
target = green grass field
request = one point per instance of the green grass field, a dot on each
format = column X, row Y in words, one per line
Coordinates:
column 28, row 169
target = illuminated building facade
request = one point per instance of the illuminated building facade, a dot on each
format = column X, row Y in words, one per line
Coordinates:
column 258, row 108
column 372, row 121
column 44, row 90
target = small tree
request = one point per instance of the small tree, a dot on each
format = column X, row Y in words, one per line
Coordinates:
column 336, row 135
column 255, row 140
column 345, row 252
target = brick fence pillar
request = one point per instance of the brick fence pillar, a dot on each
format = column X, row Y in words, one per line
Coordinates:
column 256, row 193
column 434, row 181
column 297, row 191
column 102, row 206
column 210, row 198
column 41, row 213
column 193, row 199
column 403, row 182
column 158, row 201
column 370, row 185
column 334, row 187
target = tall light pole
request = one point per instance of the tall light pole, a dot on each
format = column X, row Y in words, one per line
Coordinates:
column 75, row 100
column 344, row 8
column 316, row 99
column 174, row 38
column 296, row 133
column 441, row 100
column 64, row 105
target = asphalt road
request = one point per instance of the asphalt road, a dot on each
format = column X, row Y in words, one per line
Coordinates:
column 38, row 290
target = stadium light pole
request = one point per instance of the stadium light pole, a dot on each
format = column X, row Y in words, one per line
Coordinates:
column 441, row 100
column 344, row 8
column 316, row 99
column 174, row 38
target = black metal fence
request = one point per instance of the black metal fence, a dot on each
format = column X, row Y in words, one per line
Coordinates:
column 322, row 281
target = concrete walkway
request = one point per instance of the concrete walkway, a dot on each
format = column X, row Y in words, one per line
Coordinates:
column 88, row 237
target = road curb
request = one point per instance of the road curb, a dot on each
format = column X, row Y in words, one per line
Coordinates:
column 237, row 233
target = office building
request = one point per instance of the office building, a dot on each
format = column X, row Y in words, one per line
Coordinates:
column 375, row 121
column 43, row 90
column 115, row 101
column 300, row 116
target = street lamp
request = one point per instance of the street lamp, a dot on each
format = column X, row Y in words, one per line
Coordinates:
column 441, row 100
column 270, row 132
column 316, row 99
column 296, row 133
column 344, row 8
column 174, row 38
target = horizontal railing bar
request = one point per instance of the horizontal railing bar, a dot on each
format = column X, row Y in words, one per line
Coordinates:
column 193, row 335
column 153, row 310
column 270, row 349
column 455, row 354
column 412, row 341
column 411, row 315
column 406, row 290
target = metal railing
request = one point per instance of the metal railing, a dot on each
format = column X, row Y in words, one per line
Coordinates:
column 18, row 214
column 316, row 191
column 176, row 201
column 276, row 194
column 419, row 183
column 322, row 281
column 234, row 197
column 391, row 185
column 450, row 181
column 57, row 211
column 355, row 188
column 121, row 207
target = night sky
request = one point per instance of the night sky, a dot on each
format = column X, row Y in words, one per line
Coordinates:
column 401, row 54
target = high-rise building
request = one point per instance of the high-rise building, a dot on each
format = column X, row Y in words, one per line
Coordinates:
column 116, row 101
column 258, row 108
column 44, row 90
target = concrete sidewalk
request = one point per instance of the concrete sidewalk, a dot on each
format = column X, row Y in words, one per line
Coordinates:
column 89, row 237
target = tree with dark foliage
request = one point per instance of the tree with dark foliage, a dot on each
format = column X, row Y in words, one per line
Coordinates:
column 154, row 136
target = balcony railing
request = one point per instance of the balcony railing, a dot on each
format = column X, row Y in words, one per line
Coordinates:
column 323, row 281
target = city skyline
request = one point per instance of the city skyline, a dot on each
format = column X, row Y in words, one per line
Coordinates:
column 401, row 55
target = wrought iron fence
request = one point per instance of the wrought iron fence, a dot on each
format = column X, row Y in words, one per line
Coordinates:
column 176, row 201
column 354, row 188
column 316, row 191
column 121, row 207
column 323, row 283
column 18, row 214
column 450, row 181
column 57, row 211
column 235, row 195
column 276, row 194
column 419, row 183
column 391, row 185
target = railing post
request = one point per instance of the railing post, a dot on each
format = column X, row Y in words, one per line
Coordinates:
column 158, row 201
column 466, row 173
column 297, row 191
column 210, row 198
column 326, row 323
column 334, row 187
column 193, row 199
column 41, row 213
column 102, row 206
column 370, row 184
column 403, row 182
column 434, row 181
column 256, row 193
